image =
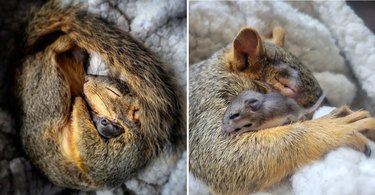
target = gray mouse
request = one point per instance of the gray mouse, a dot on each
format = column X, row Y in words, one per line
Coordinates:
column 252, row 111
column 106, row 128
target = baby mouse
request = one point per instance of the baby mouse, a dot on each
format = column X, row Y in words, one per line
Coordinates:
column 106, row 128
column 251, row 111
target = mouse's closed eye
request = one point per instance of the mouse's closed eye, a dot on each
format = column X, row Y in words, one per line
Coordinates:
column 107, row 128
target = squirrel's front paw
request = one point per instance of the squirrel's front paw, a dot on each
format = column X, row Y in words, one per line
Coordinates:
column 370, row 134
column 341, row 112
column 349, row 126
column 358, row 122
column 359, row 119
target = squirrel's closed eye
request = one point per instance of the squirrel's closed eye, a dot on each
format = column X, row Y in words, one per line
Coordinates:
column 113, row 91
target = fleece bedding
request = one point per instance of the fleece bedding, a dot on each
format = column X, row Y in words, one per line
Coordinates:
column 161, row 27
column 334, row 43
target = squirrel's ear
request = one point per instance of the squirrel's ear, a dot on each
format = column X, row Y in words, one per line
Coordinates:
column 278, row 35
column 247, row 46
column 134, row 113
column 248, row 42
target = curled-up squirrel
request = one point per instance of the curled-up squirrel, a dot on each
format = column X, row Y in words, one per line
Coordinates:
column 251, row 110
column 103, row 95
column 93, row 132
column 257, row 160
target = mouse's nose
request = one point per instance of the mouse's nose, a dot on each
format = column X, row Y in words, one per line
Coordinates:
column 227, row 128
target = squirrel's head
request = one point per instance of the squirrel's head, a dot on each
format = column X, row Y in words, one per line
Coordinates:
column 265, row 60
column 113, row 108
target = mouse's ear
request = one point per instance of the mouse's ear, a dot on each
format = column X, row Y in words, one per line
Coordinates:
column 246, row 48
column 253, row 103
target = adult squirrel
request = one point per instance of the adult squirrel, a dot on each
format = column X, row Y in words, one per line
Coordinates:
column 64, row 114
column 256, row 160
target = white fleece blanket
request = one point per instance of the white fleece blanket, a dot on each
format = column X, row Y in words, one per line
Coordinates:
column 334, row 43
column 161, row 27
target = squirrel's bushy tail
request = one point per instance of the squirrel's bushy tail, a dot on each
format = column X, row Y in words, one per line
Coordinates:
column 46, row 23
